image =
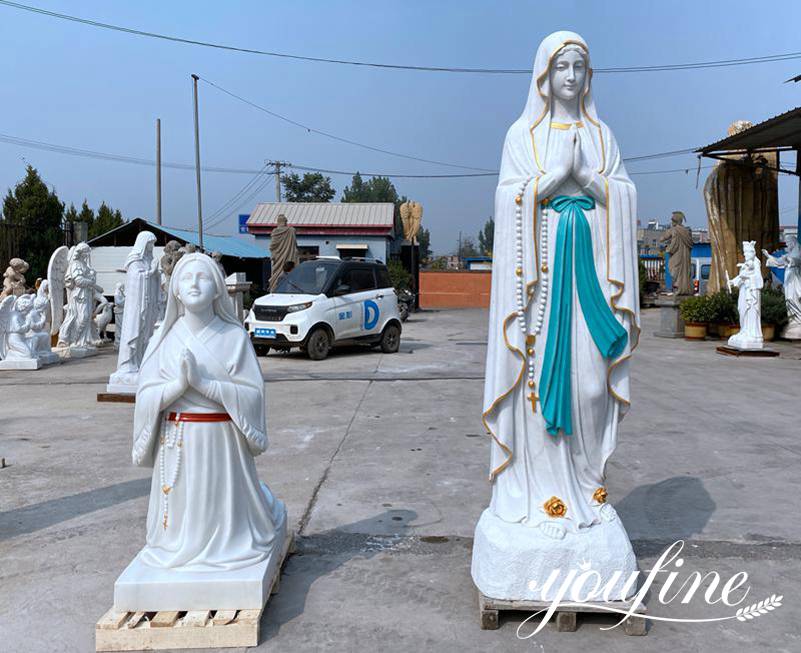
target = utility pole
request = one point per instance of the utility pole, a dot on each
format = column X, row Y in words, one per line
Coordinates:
column 459, row 253
column 158, row 170
column 197, row 167
column 277, row 165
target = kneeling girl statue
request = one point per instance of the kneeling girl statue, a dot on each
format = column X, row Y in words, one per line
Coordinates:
column 563, row 321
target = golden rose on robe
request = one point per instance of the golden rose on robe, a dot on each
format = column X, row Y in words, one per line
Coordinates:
column 600, row 495
column 555, row 507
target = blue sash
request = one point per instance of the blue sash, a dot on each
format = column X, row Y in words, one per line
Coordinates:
column 608, row 334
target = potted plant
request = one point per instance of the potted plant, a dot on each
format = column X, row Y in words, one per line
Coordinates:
column 723, row 315
column 695, row 311
column 774, row 312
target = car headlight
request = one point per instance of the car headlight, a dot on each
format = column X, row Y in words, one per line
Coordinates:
column 298, row 307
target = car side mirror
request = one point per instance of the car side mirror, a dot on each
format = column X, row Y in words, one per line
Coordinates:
column 341, row 289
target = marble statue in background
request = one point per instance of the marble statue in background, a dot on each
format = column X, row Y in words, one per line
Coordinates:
column 119, row 311
column 678, row 241
column 564, row 318
column 199, row 421
column 791, row 262
column 749, row 301
column 142, row 288
column 78, row 331
column 103, row 314
column 283, row 250
column 16, row 344
column 14, row 278
column 56, row 290
column 171, row 255
column 39, row 322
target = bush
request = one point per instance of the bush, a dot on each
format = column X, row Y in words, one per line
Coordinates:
column 400, row 277
column 774, row 307
column 696, row 309
column 723, row 308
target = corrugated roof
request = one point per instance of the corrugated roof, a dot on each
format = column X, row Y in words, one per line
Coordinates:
column 226, row 245
column 783, row 130
column 333, row 214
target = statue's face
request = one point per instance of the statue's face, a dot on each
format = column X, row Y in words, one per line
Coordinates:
column 24, row 304
column 196, row 287
column 567, row 75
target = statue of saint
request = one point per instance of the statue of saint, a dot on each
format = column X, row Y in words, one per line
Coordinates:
column 564, row 318
column 679, row 241
column 791, row 262
column 283, row 250
column 142, row 288
column 199, row 421
column 742, row 203
column 749, row 301
column 14, row 278
column 78, row 328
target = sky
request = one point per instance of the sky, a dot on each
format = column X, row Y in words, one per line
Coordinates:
column 70, row 84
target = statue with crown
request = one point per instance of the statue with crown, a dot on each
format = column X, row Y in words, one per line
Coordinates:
column 564, row 319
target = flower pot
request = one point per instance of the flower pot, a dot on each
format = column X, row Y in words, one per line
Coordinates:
column 727, row 330
column 713, row 329
column 694, row 330
column 768, row 331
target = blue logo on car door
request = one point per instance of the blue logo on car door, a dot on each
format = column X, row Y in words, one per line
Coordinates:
column 371, row 314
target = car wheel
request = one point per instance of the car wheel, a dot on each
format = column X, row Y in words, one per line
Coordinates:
column 390, row 339
column 318, row 344
column 261, row 350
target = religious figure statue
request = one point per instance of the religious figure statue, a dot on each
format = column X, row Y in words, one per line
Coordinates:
column 742, row 203
column 78, row 331
column 14, row 278
column 56, row 272
column 679, row 245
column 142, row 287
column 119, row 311
column 791, row 262
column 16, row 346
column 411, row 214
column 199, row 420
column 749, row 300
column 283, row 250
column 39, row 322
column 564, row 318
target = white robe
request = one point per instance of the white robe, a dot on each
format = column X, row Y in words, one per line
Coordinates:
column 220, row 516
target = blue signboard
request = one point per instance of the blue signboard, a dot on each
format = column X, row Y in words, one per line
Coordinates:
column 243, row 222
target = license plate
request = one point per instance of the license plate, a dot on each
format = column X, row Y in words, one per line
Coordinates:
column 261, row 332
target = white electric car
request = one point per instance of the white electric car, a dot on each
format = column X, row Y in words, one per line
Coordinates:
column 325, row 302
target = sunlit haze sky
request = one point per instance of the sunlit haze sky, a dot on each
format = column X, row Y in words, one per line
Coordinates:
column 73, row 85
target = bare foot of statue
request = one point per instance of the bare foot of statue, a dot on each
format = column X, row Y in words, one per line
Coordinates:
column 553, row 530
column 607, row 512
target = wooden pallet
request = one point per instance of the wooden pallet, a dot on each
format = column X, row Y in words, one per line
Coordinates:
column 755, row 353
column 136, row 631
column 566, row 620
column 116, row 397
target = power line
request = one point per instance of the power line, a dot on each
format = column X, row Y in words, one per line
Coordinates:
column 240, row 192
column 441, row 69
column 242, row 201
column 334, row 136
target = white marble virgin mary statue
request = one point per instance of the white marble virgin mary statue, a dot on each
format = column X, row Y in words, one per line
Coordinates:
column 563, row 321
column 214, row 532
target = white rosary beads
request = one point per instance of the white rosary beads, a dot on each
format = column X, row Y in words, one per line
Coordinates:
column 170, row 441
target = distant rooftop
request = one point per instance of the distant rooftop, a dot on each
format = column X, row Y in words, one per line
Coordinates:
column 314, row 217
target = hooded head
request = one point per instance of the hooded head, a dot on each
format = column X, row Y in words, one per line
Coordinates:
column 142, row 248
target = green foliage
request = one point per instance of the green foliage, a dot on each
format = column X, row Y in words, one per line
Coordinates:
column 439, row 263
column 106, row 220
column 424, row 244
column 774, row 307
column 696, row 309
column 375, row 189
column 401, row 279
column 486, row 237
column 39, row 213
column 313, row 187
column 723, row 308
column 468, row 248
column 86, row 215
column 643, row 277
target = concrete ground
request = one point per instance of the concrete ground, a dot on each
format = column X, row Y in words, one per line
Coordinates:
column 382, row 462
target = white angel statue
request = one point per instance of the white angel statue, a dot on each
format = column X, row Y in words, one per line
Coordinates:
column 16, row 349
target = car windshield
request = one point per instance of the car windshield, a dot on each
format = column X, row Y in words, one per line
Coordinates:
column 309, row 277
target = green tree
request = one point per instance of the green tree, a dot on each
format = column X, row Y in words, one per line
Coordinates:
column 86, row 215
column 486, row 237
column 313, row 187
column 375, row 189
column 468, row 248
column 106, row 220
column 38, row 212
column 424, row 243
column 71, row 214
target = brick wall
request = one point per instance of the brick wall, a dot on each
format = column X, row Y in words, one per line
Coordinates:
column 455, row 288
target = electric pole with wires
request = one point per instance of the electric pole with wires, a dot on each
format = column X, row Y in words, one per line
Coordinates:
column 276, row 166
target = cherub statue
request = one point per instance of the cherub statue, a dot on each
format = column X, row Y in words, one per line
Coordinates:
column 16, row 348
column 14, row 278
column 750, row 283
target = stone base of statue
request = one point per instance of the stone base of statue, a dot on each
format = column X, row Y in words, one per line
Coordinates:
column 142, row 588
column 792, row 331
column 743, row 341
column 49, row 358
column 670, row 323
column 20, row 364
column 122, row 383
column 513, row 561
column 78, row 352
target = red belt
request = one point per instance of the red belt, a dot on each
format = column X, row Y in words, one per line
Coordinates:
column 198, row 417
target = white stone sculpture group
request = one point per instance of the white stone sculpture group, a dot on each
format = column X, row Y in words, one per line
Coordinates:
column 564, row 318
column 791, row 262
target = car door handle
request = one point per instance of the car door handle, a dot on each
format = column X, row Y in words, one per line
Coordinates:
column 379, row 296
